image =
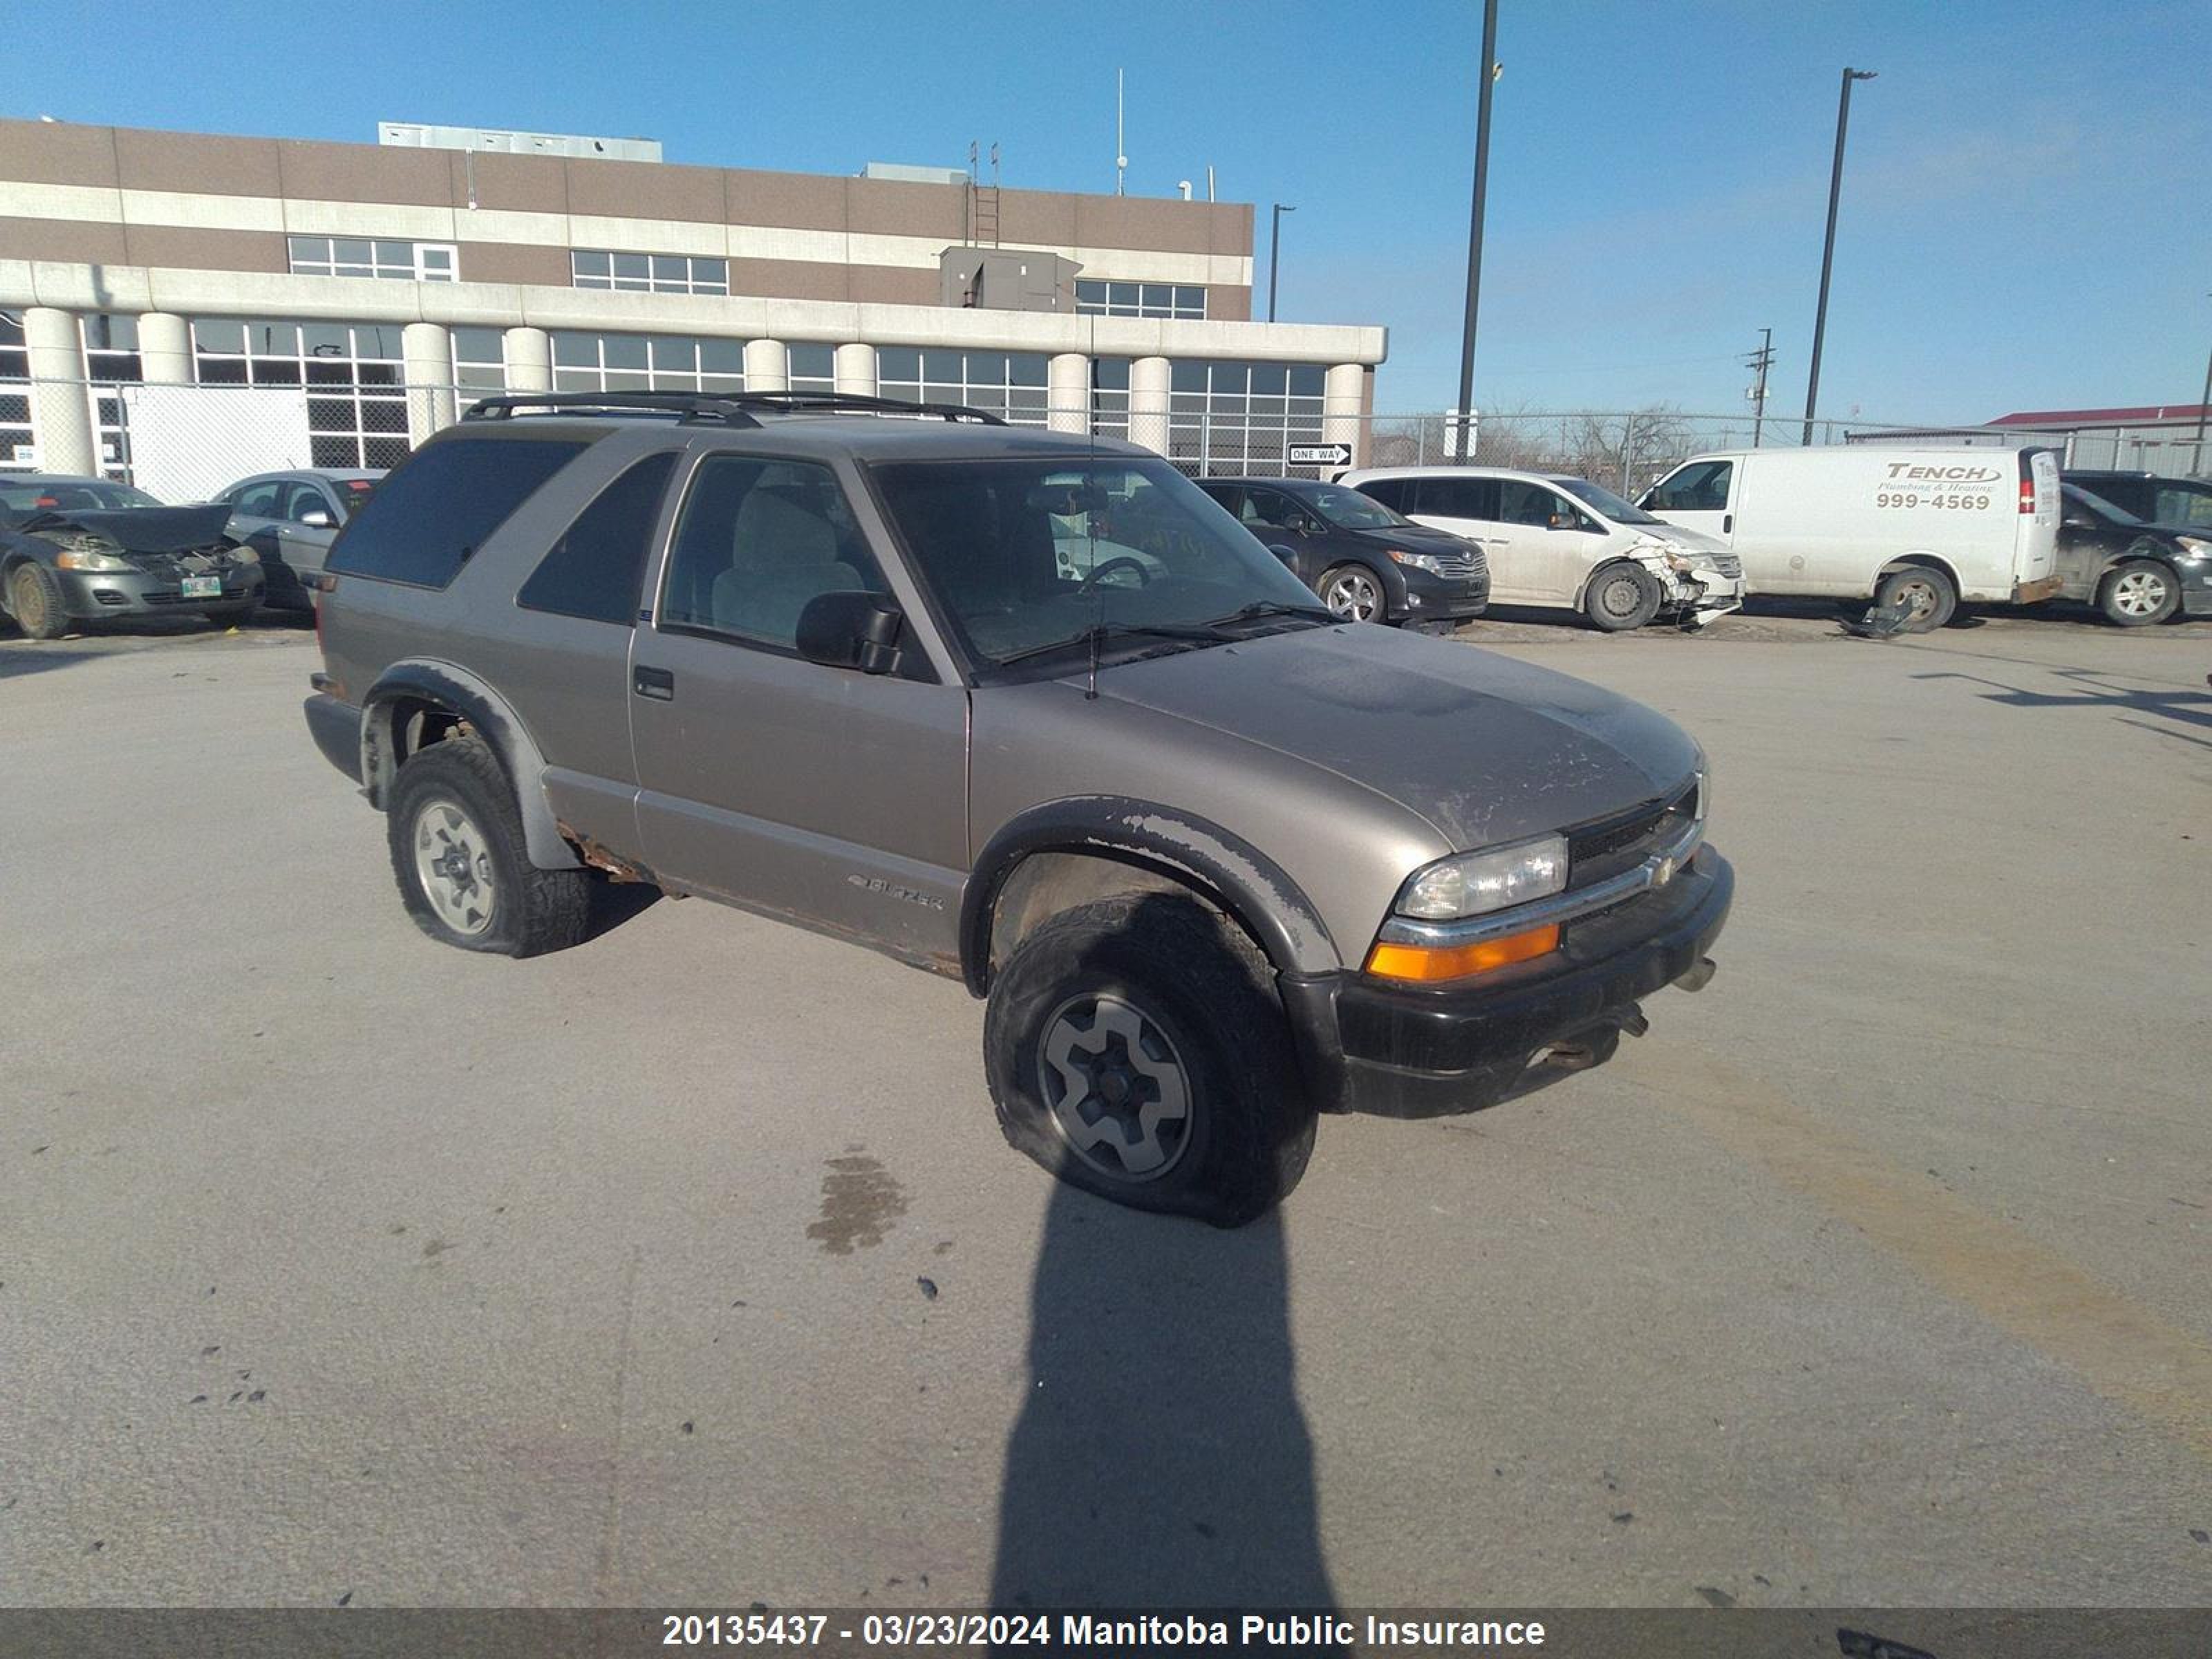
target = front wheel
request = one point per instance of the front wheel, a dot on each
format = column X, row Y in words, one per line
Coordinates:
column 1135, row 1047
column 1923, row 592
column 2138, row 593
column 1621, row 596
column 34, row 594
column 1355, row 593
column 463, row 868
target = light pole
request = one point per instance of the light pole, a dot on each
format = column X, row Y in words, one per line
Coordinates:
column 1275, row 255
column 2197, row 463
column 1489, row 75
column 1828, row 247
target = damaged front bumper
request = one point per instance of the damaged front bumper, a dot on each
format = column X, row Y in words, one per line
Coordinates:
column 87, row 596
column 1701, row 598
column 1394, row 1050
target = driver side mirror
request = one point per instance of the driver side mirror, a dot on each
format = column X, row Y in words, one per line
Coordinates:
column 850, row 630
column 317, row 518
column 1289, row 557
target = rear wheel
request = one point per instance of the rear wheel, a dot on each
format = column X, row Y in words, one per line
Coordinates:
column 1621, row 596
column 34, row 594
column 1923, row 592
column 463, row 868
column 1135, row 1047
column 1355, row 593
column 2137, row 593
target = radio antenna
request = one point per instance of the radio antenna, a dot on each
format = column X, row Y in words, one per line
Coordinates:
column 1120, row 150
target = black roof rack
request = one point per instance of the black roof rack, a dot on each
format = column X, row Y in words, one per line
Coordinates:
column 729, row 408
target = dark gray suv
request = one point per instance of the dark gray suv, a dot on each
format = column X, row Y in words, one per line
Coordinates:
column 1020, row 707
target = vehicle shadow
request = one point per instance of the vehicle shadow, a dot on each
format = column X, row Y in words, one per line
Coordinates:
column 617, row 902
column 2185, row 707
column 1161, row 1459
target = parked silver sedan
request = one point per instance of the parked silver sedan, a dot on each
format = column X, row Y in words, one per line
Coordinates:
column 290, row 518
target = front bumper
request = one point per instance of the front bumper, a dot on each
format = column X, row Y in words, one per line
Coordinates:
column 1432, row 596
column 91, row 596
column 1702, row 595
column 1394, row 1050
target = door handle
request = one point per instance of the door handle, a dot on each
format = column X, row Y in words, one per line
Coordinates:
column 1728, row 524
column 658, row 683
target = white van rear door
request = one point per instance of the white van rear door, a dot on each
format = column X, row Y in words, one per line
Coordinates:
column 2037, row 555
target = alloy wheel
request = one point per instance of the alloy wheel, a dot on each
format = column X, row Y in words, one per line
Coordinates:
column 1352, row 595
column 1117, row 1090
column 2139, row 593
column 452, row 862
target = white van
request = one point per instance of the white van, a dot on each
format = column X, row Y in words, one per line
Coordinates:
column 1565, row 543
column 1921, row 529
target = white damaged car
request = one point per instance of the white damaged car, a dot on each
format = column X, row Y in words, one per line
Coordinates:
column 1567, row 543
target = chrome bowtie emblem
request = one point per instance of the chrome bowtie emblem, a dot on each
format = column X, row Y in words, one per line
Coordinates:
column 1664, row 873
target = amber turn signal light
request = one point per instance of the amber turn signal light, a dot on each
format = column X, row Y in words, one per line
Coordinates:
column 1427, row 963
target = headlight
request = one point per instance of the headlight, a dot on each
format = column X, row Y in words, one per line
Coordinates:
column 1419, row 561
column 2194, row 547
column 1679, row 563
column 88, row 555
column 1474, row 883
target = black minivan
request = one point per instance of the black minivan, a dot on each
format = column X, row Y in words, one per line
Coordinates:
column 1367, row 562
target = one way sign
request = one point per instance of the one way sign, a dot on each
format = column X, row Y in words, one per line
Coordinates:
column 1320, row 454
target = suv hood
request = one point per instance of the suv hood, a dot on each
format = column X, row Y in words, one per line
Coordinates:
column 139, row 529
column 1484, row 749
column 1416, row 538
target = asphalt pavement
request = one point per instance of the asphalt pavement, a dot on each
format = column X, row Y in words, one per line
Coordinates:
column 690, row 1266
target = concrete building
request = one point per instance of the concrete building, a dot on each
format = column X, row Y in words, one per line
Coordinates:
column 392, row 281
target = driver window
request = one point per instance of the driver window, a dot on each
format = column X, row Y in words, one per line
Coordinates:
column 1701, row 488
column 1521, row 503
column 1268, row 509
column 300, row 499
column 260, row 500
column 756, row 540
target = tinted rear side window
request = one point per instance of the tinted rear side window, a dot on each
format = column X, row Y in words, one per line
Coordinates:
column 1395, row 493
column 430, row 515
column 594, row 571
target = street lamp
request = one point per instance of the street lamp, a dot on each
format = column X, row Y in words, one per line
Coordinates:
column 1828, row 247
column 1275, row 255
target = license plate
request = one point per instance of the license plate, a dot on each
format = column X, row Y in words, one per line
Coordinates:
column 202, row 587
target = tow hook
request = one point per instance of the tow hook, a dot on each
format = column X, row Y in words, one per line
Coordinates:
column 1594, row 1044
column 1700, row 975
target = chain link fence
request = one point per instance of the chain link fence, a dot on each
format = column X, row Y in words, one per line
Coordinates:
column 183, row 442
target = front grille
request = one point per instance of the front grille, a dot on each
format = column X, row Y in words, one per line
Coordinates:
column 1460, row 566
column 1612, row 845
column 1726, row 563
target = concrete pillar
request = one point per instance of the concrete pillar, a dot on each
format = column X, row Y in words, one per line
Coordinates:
column 856, row 370
column 529, row 354
column 1068, row 392
column 165, row 348
column 427, row 349
column 61, row 409
column 1342, row 394
column 1149, row 377
column 767, row 365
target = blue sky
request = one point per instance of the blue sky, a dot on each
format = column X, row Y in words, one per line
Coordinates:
column 2025, row 218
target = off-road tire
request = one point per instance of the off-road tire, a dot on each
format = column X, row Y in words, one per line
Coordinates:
column 1202, row 986
column 2132, row 578
column 534, row 911
column 34, row 594
column 1605, row 601
column 1941, row 598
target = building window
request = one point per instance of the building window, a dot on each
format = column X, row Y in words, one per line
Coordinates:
column 813, row 368
column 356, row 391
column 647, row 362
column 111, row 363
column 356, row 256
column 1109, row 397
column 1228, row 419
column 1010, row 384
column 480, row 359
column 648, row 273
column 18, row 444
column 1097, row 298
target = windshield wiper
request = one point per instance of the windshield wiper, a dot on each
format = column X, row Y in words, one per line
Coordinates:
column 1259, row 608
column 1098, row 633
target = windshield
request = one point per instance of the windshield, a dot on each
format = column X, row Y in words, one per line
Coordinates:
column 22, row 497
column 1597, row 495
column 1348, row 509
column 1029, row 553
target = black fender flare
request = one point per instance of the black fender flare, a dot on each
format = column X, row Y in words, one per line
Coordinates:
column 1245, row 881
column 494, row 721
